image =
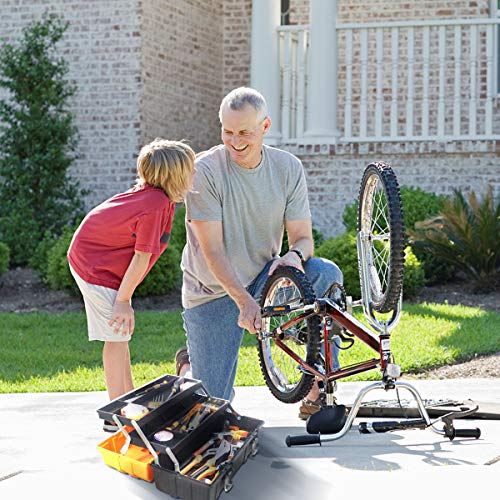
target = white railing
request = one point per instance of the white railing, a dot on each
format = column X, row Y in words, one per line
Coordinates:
column 403, row 81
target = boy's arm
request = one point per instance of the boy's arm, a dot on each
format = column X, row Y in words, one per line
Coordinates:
column 123, row 314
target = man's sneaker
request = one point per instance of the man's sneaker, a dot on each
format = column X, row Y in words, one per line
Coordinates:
column 308, row 408
column 109, row 426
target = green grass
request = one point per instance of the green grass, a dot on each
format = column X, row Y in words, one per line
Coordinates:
column 50, row 352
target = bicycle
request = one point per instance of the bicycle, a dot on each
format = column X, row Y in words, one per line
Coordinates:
column 295, row 342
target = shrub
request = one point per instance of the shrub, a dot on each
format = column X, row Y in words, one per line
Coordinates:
column 418, row 205
column 38, row 140
column 178, row 236
column 164, row 275
column 58, row 275
column 466, row 235
column 343, row 251
column 39, row 260
column 4, row 258
column 414, row 275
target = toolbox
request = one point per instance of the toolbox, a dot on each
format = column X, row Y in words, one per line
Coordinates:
column 174, row 433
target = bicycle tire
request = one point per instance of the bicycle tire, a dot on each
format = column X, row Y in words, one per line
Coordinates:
column 281, row 373
column 379, row 197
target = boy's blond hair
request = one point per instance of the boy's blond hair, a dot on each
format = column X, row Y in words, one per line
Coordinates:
column 167, row 165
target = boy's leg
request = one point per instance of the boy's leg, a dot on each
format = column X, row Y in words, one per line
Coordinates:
column 214, row 340
column 116, row 361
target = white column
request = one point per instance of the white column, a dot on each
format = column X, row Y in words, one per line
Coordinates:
column 322, row 87
column 265, row 67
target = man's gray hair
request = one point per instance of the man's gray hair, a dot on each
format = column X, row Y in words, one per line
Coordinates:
column 240, row 97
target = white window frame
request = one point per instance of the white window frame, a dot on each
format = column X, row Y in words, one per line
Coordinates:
column 495, row 12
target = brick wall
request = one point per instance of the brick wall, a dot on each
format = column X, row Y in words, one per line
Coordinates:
column 362, row 11
column 102, row 47
column 181, row 67
column 237, row 35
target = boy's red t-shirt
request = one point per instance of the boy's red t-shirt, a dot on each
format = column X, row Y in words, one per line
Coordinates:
column 104, row 244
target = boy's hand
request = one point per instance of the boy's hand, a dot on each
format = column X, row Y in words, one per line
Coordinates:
column 123, row 317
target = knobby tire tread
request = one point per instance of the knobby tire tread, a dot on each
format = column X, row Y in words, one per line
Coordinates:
column 397, row 239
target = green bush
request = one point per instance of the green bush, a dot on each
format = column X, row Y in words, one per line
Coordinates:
column 38, row 139
column 164, row 275
column 418, row 205
column 178, row 234
column 4, row 258
column 58, row 275
column 466, row 235
column 414, row 275
column 343, row 251
column 39, row 260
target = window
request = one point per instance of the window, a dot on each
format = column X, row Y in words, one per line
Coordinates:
column 285, row 12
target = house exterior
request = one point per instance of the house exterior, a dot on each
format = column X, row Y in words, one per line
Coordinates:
column 348, row 82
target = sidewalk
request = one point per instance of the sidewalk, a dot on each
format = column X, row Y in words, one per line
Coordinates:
column 48, row 443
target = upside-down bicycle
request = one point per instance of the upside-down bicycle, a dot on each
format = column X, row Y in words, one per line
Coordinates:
column 298, row 330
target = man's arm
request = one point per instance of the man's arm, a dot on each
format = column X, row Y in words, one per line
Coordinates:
column 300, row 238
column 123, row 314
column 210, row 238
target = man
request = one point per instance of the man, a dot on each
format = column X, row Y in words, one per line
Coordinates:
column 244, row 194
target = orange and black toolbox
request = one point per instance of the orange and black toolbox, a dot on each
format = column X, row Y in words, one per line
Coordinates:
column 174, row 433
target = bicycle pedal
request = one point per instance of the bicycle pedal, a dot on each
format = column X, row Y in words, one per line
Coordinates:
column 270, row 311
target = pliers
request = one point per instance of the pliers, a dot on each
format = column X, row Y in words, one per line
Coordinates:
column 211, row 466
column 199, row 455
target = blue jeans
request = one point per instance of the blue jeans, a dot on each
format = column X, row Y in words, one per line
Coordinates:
column 214, row 337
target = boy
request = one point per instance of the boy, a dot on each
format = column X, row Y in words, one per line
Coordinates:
column 117, row 244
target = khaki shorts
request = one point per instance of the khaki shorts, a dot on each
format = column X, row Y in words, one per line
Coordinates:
column 99, row 302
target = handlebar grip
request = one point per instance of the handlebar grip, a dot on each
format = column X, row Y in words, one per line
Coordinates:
column 303, row 439
column 468, row 433
column 391, row 425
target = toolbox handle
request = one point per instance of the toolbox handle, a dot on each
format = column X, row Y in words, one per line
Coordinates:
column 122, row 429
column 172, row 457
column 146, row 441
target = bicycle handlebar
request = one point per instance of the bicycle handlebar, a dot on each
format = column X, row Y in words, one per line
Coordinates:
column 302, row 440
column 466, row 433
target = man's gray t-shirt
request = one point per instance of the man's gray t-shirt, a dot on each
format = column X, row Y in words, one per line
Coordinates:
column 253, row 205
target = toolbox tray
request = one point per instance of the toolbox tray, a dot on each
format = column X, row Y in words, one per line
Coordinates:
column 172, row 482
column 180, row 439
column 136, row 462
column 147, row 393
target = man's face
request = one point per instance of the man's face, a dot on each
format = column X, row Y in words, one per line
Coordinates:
column 243, row 132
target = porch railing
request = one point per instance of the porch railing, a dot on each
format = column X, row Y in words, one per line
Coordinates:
column 404, row 81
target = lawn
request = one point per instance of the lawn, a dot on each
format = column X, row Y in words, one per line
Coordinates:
column 50, row 352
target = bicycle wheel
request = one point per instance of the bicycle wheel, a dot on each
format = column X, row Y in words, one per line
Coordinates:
column 283, row 375
column 382, row 236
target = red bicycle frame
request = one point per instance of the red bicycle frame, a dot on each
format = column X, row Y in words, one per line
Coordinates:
column 327, row 308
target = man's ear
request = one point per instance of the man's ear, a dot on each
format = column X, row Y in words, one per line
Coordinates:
column 267, row 125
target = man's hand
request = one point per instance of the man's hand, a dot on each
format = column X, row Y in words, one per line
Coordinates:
column 289, row 259
column 123, row 317
column 249, row 317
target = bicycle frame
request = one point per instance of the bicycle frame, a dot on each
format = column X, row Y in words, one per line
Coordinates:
column 328, row 309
